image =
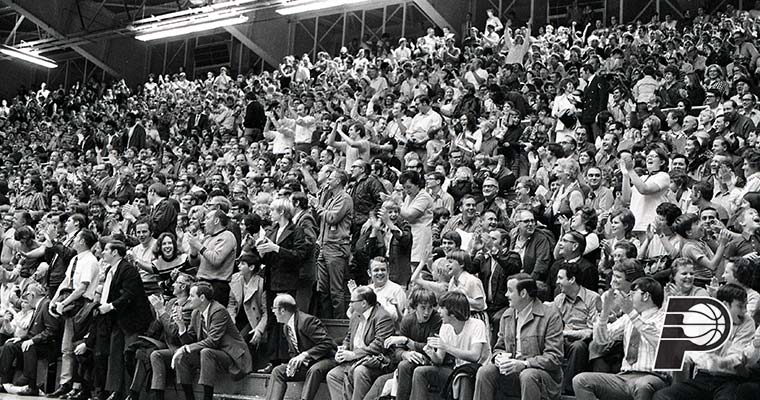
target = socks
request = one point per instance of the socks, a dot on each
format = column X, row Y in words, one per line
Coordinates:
column 208, row 392
column 188, row 390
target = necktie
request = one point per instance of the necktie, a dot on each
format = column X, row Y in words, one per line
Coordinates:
column 203, row 327
column 632, row 353
column 73, row 271
column 292, row 341
column 197, row 119
column 106, row 286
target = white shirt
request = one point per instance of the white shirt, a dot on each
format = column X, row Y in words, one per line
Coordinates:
column 388, row 294
column 292, row 326
column 85, row 271
column 360, row 330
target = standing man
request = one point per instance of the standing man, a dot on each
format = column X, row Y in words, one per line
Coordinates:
column 365, row 190
column 79, row 285
column 335, row 212
column 527, row 359
column 124, row 302
column 215, row 256
column 134, row 135
column 212, row 344
column 163, row 215
column 417, row 209
column 310, row 347
column 255, row 118
column 595, row 97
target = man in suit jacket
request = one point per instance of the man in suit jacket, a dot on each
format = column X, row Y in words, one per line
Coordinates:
column 123, row 300
column 163, row 216
column 537, row 372
column 197, row 120
column 595, row 96
column 307, row 275
column 255, row 117
column 39, row 340
column 211, row 343
column 134, row 135
column 369, row 327
column 310, row 347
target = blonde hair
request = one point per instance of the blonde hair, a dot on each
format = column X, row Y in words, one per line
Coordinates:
column 283, row 206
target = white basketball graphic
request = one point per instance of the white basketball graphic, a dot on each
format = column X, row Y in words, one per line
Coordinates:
column 703, row 324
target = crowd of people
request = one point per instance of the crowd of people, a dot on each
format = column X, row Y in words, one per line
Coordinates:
column 497, row 213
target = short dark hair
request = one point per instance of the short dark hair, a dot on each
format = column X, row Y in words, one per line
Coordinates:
column 412, row 177
column 456, row 304
column 422, row 296
column 453, row 236
column 684, row 223
column 731, row 292
column 647, row 284
column 204, row 289
column 631, row 268
column 580, row 239
column 571, row 270
column 80, row 219
column 119, row 246
column 525, row 282
column 366, row 293
column 630, row 249
column 670, row 211
column 743, row 271
column 89, row 237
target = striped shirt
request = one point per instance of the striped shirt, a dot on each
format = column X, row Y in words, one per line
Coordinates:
column 648, row 323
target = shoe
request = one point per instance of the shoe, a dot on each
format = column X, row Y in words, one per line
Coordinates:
column 115, row 396
column 60, row 392
column 73, row 394
column 266, row 370
column 28, row 391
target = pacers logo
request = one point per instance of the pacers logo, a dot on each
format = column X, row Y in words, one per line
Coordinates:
column 691, row 324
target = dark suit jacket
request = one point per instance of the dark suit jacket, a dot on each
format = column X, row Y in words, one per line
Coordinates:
column 137, row 140
column 538, row 254
column 163, row 218
column 506, row 265
column 309, row 226
column 255, row 117
column 201, row 125
column 45, row 326
column 283, row 267
column 541, row 342
column 313, row 338
column 399, row 253
column 221, row 335
column 379, row 327
column 132, row 311
column 595, row 97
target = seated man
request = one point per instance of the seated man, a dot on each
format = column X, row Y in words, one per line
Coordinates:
column 369, row 327
column 718, row 372
column 528, row 354
column 578, row 307
column 310, row 347
column 211, row 343
column 640, row 327
column 415, row 329
column 38, row 341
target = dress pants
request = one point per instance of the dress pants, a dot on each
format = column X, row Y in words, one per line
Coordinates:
column 703, row 386
column 348, row 381
column 332, row 264
column 311, row 376
column 25, row 360
column 529, row 384
column 160, row 363
column 119, row 367
column 67, row 352
column 210, row 362
column 622, row 386
column 576, row 361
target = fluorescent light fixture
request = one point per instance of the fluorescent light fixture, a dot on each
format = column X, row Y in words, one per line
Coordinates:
column 28, row 56
column 315, row 5
column 191, row 28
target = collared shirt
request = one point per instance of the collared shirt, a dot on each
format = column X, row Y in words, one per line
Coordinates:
column 361, row 329
column 442, row 199
column 389, row 294
column 726, row 359
column 649, row 324
column 522, row 316
column 107, row 284
column 580, row 312
column 144, row 253
column 422, row 123
column 86, row 270
column 471, row 286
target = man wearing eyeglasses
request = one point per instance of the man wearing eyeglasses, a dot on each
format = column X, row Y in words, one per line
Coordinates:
column 532, row 244
column 748, row 109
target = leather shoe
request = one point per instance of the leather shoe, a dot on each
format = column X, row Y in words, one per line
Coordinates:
column 115, row 396
column 60, row 392
column 267, row 369
column 29, row 391
column 74, row 393
column 80, row 395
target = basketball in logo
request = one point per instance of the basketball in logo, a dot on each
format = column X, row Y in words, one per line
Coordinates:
column 694, row 324
column 703, row 324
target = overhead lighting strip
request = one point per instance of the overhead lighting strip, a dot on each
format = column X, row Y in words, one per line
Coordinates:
column 28, row 56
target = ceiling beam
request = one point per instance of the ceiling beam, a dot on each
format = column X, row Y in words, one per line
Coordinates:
column 251, row 45
column 37, row 20
column 427, row 7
